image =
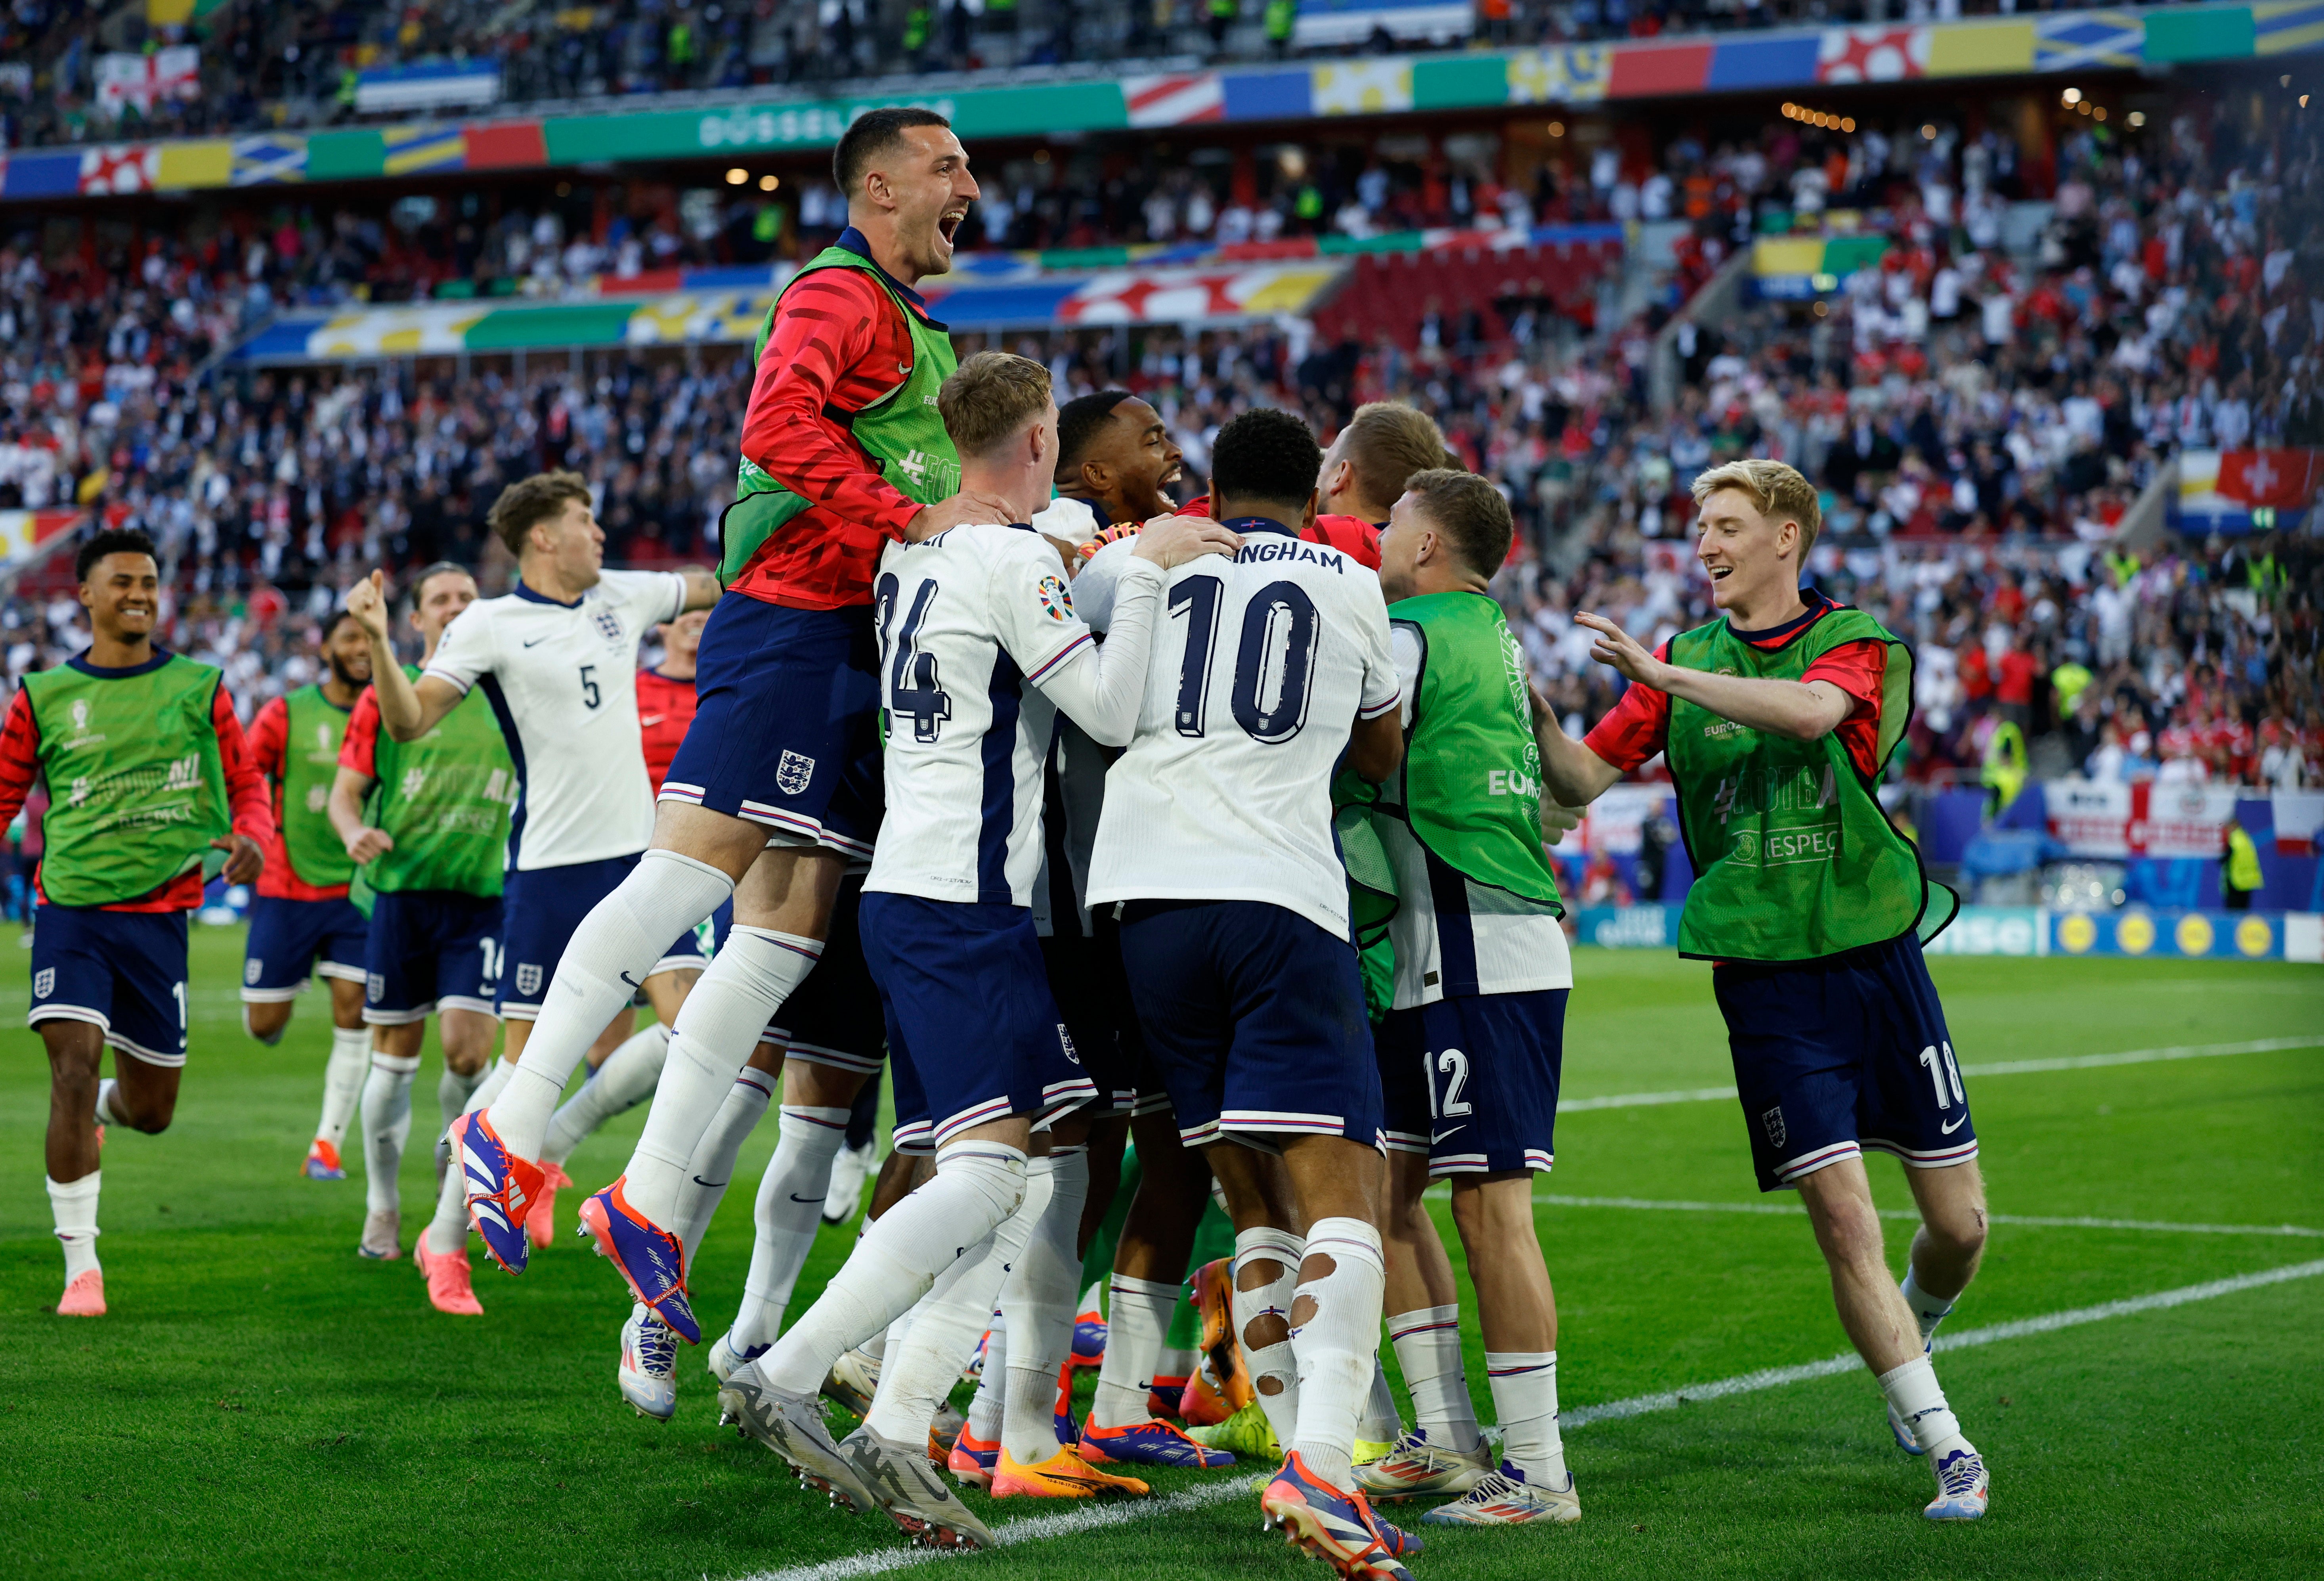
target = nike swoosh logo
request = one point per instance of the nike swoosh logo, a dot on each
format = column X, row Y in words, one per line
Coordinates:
column 536, row 642
column 810, row 1201
column 633, row 982
column 647, row 719
column 1440, row 1135
column 709, row 1185
column 1956, row 1125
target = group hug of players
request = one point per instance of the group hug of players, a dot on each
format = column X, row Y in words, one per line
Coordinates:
column 1090, row 816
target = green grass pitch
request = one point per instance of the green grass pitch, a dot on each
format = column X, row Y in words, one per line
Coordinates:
column 261, row 1402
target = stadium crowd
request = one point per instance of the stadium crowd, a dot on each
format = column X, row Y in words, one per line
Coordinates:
column 1980, row 418
column 298, row 65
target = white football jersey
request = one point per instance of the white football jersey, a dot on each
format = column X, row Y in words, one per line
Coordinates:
column 1258, row 673
column 563, row 680
column 967, row 619
column 1449, row 929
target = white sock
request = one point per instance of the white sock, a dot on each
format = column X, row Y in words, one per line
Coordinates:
column 261, row 1037
column 105, row 1113
column 1427, row 1343
column 986, row 1412
column 453, row 1090
column 1137, row 1326
column 875, row 1348
column 918, row 1377
column 1274, row 1368
column 1525, row 1399
column 712, row 1169
column 1913, row 1390
column 1039, row 1298
column 1337, row 1344
column 387, row 1127
column 343, row 1080
column 74, row 1203
column 1379, row 1424
column 806, row 1140
column 447, row 1232
column 1928, row 1310
column 624, row 1081
column 721, row 1020
column 898, row 1258
column 1175, row 1364
column 625, row 933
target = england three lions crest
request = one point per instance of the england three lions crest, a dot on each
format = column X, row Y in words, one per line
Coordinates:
column 608, row 623
column 528, row 979
column 792, row 772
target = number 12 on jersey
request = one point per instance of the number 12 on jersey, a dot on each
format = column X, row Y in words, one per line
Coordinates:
column 1274, row 658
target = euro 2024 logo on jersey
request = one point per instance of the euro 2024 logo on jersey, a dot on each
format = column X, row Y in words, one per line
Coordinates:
column 1056, row 601
column 792, row 772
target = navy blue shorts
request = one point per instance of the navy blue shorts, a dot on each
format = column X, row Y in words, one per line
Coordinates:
column 123, row 971
column 785, row 729
column 430, row 949
column 544, row 906
column 1254, row 1022
column 1840, row 1055
column 1471, row 1082
column 834, row 1018
column 968, row 1008
column 288, row 938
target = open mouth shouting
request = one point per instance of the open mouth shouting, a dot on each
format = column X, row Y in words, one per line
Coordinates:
column 948, row 224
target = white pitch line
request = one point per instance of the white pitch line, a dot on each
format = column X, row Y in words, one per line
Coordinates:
column 1849, row 1361
column 2034, row 1221
column 1994, row 1068
column 1040, row 1527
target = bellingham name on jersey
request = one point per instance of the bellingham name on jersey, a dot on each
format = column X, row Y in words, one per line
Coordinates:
column 1258, row 673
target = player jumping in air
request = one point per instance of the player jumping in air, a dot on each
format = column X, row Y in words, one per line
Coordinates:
column 1217, row 833
column 302, row 922
column 426, row 823
column 981, row 648
column 1777, row 721
column 1470, row 1053
column 777, row 787
column 147, row 772
column 556, row 661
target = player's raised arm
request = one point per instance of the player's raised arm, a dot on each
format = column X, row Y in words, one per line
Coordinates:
column 1801, row 710
column 406, row 711
column 1576, row 775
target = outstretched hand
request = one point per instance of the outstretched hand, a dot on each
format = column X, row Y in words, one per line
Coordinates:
column 1623, row 651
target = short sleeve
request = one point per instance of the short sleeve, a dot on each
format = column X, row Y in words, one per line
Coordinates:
column 465, row 653
column 1407, row 647
column 1032, row 608
column 1381, row 690
column 1093, row 588
column 359, row 749
column 655, row 597
column 1859, row 669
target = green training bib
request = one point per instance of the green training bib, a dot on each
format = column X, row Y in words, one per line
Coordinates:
column 902, row 431
column 137, row 788
column 445, row 800
column 1792, row 856
column 313, row 729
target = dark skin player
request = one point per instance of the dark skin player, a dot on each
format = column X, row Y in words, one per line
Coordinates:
column 1125, row 465
column 123, row 596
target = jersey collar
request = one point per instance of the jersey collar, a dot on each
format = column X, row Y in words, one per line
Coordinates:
column 117, row 672
column 533, row 595
column 1775, row 637
column 857, row 243
column 1258, row 524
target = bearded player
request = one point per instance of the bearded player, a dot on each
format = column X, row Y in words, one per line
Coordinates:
column 302, row 921
column 148, row 770
column 1777, row 721
column 777, row 787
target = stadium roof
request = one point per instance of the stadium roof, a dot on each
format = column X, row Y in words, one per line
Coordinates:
column 2046, row 42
